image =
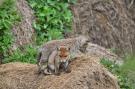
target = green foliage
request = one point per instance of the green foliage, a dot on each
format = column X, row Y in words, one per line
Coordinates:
column 8, row 17
column 114, row 68
column 129, row 64
column 25, row 54
column 53, row 18
column 123, row 79
column 128, row 69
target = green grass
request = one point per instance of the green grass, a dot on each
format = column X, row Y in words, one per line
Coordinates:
column 8, row 17
column 53, row 18
column 125, row 73
column 25, row 54
column 128, row 69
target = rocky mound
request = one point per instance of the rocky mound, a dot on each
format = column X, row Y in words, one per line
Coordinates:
column 107, row 23
column 87, row 73
column 101, row 52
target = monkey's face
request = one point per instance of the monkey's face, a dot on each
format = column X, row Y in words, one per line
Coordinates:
column 63, row 52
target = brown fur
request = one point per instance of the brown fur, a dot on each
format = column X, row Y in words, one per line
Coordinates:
column 58, row 61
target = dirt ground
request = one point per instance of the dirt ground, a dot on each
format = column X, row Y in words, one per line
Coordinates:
column 87, row 73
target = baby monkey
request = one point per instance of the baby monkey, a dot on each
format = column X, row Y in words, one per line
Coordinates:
column 58, row 61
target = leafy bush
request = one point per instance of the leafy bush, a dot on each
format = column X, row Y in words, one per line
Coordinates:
column 114, row 68
column 24, row 54
column 53, row 18
column 8, row 17
column 128, row 69
column 123, row 79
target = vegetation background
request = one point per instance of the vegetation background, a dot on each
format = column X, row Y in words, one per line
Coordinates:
column 53, row 20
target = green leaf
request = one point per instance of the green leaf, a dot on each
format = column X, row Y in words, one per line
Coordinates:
column 33, row 4
column 53, row 16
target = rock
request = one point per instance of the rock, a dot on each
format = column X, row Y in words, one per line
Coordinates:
column 101, row 52
column 87, row 73
column 108, row 23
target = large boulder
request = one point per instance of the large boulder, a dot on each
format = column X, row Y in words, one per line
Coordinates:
column 87, row 73
column 106, row 23
column 101, row 52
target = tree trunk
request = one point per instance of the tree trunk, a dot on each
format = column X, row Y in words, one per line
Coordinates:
column 24, row 32
column 1, row 57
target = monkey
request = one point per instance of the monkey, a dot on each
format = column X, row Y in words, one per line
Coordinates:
column 45, row 51
column 58, row 61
